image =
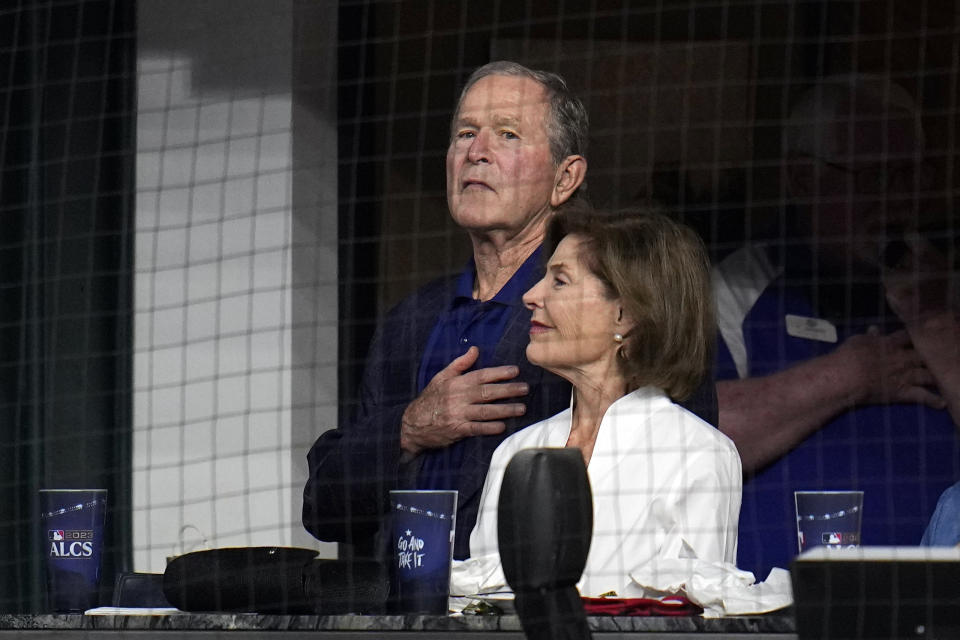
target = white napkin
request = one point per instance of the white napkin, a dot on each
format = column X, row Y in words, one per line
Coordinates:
column 720, row 588
column 476, row 576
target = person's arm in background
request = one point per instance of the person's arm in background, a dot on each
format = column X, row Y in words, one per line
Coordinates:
column 919, row 292
column 768, row 416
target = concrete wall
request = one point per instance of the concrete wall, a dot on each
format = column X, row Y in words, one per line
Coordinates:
column 236, row 270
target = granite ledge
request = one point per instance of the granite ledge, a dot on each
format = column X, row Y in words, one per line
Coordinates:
column 770, row 624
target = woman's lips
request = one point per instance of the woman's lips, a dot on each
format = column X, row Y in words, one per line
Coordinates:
column 538, row 327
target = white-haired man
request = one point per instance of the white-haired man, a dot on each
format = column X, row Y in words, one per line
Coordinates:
column 839, row 347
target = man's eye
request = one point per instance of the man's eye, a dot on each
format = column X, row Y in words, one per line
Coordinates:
column 510, row 135
column 465, row 134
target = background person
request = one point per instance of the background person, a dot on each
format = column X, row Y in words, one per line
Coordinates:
column 944, row 527
column 839, row 345
column 624, row 313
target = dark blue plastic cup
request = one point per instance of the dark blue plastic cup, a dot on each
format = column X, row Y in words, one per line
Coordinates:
column 423, row 530
column 828, row 518
column 72, row 523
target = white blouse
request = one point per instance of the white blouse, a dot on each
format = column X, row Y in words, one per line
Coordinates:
column 666, row 486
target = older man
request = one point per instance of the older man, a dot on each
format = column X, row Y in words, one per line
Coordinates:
column 446, row 378
column 841, row 350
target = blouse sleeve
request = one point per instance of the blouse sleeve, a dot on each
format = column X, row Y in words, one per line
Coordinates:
column 483, row 538
column 709, row 503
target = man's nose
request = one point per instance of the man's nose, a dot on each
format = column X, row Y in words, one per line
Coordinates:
column 479, row 150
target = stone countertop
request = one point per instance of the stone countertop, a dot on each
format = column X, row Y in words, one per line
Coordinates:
column 778, row 623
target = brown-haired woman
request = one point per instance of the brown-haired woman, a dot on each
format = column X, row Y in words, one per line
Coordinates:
column 625, row 314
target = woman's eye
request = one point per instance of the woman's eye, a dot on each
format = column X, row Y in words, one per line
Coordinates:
column 558, row 282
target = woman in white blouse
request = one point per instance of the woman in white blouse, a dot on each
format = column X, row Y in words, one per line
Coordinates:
column 625, row 314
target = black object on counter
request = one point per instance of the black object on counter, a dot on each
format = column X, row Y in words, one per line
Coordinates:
column 336, row 587
column 139, row 590
column 544, row 526
column 273, row 580
column 877, row 592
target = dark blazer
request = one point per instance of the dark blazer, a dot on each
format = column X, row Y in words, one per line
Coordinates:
column 352, row 468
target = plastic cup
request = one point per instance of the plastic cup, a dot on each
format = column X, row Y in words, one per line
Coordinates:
column 423, row 526
column 72, row 523
column 828, row 518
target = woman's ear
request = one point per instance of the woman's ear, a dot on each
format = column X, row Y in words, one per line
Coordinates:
column 624, row 321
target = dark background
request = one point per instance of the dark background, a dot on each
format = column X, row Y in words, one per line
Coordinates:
column 66, row 211
column 724, row 75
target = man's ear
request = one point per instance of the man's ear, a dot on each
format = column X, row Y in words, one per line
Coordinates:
column 570, row 175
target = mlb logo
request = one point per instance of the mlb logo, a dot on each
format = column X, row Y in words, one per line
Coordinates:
column 56, row 534
column 832, row 538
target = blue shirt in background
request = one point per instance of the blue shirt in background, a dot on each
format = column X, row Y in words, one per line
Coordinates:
column 944, row 527
column 902, row 456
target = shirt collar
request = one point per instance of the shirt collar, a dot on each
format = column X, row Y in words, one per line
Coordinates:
column 511, row 292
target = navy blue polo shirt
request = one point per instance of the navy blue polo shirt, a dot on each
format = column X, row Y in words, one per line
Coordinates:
column 465, row 323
